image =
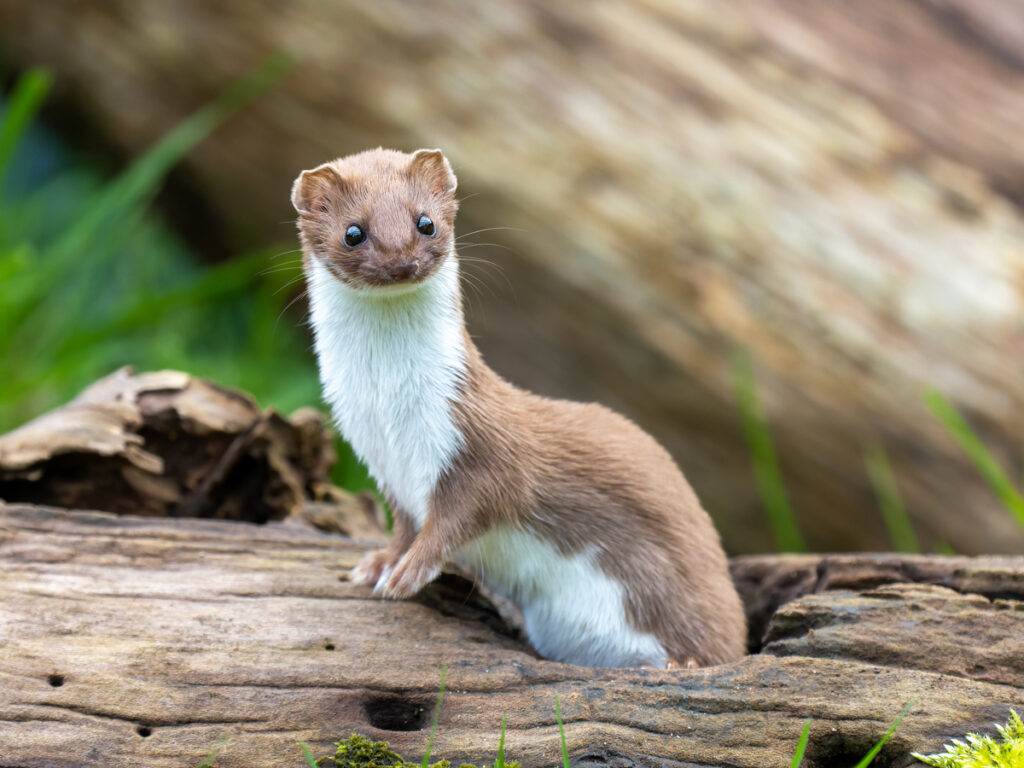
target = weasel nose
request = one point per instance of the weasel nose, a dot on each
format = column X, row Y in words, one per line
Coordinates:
column 401, row 272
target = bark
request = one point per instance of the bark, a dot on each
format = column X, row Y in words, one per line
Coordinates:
column 143, row 641
column 167, row 444
column 836, row 187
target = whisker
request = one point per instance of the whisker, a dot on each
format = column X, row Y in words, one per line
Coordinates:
column 284, row 253
column 474, row 260
column 289, row 284
column 476, row 279
column 300, row 295
column 488, row 229
column 466, row 246
column 480, row 260
column 483, row 263
column 473, row 294
column 279, row 268
column 478, row 283
column 500, row 272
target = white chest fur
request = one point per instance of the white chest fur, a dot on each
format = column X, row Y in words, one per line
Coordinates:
column 390, row 365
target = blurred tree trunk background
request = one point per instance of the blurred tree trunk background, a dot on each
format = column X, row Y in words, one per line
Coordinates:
column 835, row 187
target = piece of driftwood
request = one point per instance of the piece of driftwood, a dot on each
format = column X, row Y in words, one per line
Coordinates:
column 165, row 443
column 836, row 186
column 133, row 641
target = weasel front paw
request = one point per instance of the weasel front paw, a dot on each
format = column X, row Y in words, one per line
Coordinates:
column 409, row 577
column 374, row 567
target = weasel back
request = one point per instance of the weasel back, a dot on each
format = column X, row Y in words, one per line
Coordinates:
column 596, row 534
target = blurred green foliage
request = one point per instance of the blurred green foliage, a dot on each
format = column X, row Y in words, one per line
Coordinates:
column 781, row 518
column 979, row 455
column 91, row 279
column 894, row 513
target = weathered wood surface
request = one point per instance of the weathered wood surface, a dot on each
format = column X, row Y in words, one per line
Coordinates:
column 141, row 641
column 167, row 444
column 766, row 582
column 836, row 186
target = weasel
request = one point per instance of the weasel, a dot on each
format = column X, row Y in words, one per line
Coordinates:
column 568, row 509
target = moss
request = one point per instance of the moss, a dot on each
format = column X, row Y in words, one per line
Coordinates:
column 984, row 751
column 359, row 752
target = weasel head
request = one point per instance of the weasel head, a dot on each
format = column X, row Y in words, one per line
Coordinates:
column 380, row 221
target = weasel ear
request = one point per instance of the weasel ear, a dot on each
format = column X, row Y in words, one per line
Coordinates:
column 310, row 190
column 433, row 166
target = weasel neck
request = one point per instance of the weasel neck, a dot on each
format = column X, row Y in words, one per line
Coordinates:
column 391, row 367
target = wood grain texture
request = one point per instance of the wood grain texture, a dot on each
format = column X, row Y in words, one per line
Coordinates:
column 194, row 629
column 837, row 187
column 167, row 444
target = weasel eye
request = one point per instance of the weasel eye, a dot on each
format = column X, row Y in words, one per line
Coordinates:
column 354, row 235
column 425, row 226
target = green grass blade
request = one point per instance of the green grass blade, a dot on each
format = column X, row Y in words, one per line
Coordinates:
column 901, row 531
column 866, row 760
column 308, row 755
column 120, row 200
column 783, row 522
column 801, row 745
column 214, row 751
column 500, row 762
column 135, row 316
column 437, row 716
column 23, row 104
column 561, row 732
column 978, row 453
column 140, row 179
column 214, row 282
column 944, row 548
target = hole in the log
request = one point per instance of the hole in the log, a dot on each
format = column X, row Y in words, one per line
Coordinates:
column 454, row 595
column 837, row 748
column 329, row 647
column 143, row 731
column 55, row 680
column 394, row 713
column 1015, row 595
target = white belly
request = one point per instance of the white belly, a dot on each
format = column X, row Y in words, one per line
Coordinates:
column 573, row 611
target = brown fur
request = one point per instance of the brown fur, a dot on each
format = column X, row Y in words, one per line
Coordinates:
column 577, row 475
column 581, row 475
column 384, row 192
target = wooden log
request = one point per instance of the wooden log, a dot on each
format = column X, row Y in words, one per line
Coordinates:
column 143, row 641
column 165, row 443
column 836, row 187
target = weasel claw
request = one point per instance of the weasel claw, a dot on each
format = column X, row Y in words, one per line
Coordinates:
column 382, row 580
column 370, row 568
column 408, row 579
